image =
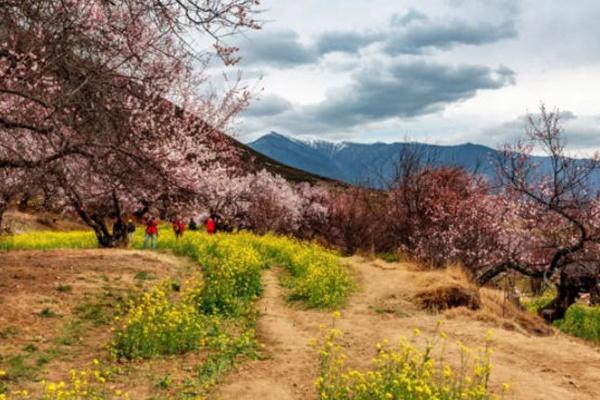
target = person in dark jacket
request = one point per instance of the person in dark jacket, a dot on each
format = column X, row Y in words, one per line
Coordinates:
column 192, row 226
column 130, row 230
column 178, row 227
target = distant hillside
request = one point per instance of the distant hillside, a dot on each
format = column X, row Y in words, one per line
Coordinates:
column 358, row 163
column 373, row 164
column 254, row 161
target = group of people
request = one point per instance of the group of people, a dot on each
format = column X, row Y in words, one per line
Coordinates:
column 177, row 224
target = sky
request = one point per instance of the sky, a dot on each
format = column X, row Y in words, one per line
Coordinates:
column 436, row 71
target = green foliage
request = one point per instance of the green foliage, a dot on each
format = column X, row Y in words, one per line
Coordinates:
column 535, row 304
column 9, row 331
column 213, row 313
column 317, row 276
column 47, row 313
column 159, row 325
column 145, row 276
column 18, row 367
column 389, row 257
column 30, row 348
column 62, row 288
column 581, row 321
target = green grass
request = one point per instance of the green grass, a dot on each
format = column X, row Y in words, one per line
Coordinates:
column 9, row 331
column 145, row 276
column 62, row 288
column 581, row 321
column 19, row 368
column 30, row 348
column 47, row 312
column 538, row 303
column 215, row 315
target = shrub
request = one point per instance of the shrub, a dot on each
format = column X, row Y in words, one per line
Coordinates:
column 87, row 384
column 47, row 240
column 158, row 325
column 581, row 321
column 317, row 276
column 404, row 371
column 535, row 304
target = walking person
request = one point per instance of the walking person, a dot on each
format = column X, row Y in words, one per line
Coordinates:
column 178, row 227
column 130, row 230
column 151, row 232
column 211, row 225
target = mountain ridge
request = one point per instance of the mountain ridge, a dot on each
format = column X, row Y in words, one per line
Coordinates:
column 364, row 163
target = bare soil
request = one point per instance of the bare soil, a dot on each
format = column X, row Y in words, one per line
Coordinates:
column 17, row 222
column 540, row 362
column 56, row 307
column 554, row 366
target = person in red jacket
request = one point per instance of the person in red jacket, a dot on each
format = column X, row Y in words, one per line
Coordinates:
column 211, row 225
column 178, row 227
column 151, row 232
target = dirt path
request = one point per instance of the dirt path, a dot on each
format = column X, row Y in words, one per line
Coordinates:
column 290, row 365
column 540, row 368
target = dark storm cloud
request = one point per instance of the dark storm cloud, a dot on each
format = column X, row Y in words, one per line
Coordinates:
column 415, row 36
column 409, row 89
column 398, row 90
column 276, row 48
column 345, row 41
column 409, row 33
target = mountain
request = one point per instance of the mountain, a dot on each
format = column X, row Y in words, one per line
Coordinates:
column 373, row 164
column 370, row 164
column 253, row 160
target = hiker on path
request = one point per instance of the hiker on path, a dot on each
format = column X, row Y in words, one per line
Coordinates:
column 211, row 225
column 178, row 227
column 130, row 230
column 151, row 232
column 192, row 226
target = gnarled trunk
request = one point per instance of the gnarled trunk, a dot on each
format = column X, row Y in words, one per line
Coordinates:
column 575, row 278
column 117, row 237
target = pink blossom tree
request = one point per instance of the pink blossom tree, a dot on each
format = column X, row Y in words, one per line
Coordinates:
column 104, row 99
column 554, row 232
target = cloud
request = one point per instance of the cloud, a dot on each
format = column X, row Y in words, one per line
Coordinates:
column 409, row 33
column 582, row 133
column 407, row 90
column 268, row 106
column 276, row 48
column 390, row 91
column 416, row 36
column 407, row 18
column 345, row 41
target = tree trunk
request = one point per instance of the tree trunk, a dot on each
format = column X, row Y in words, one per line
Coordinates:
column 566, row 296
column 575, row 278
column 537, row 286
column 24, row 202
column 595, row 295
column 106, row 239
column 116, row 239
column 2, row 210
